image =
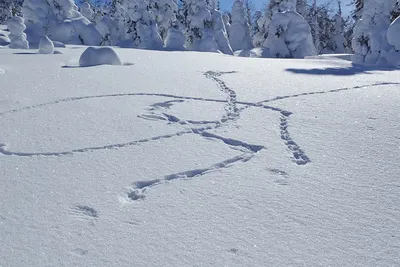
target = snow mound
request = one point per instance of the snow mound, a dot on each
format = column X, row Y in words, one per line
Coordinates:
column 258, row 52
column 59, row 44
column 346, row 57
column 46, row 46
column 393, row 34
column 94, row 56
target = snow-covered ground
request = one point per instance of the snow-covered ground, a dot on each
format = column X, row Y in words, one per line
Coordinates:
column 197, row 159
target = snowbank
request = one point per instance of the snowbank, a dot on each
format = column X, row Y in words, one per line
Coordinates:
column 258, row 52
column 93, row 56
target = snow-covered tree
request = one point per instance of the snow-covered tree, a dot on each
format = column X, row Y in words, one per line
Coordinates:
column 395, row 11
column 393, row 55
column 359, row 5
column 220, row 33
column 60, row 20
column 197, row 21
column 289, row 36
column 260, row 29
column 301, row 7
column 87, row 11
column 9, row 8
column 315, row 29
column 165, row 14
column 17, row 36
column 227, row 22
column 275, row 6
column 338, row 35
column 239, row 32
column 370, row 41
column 140, row 26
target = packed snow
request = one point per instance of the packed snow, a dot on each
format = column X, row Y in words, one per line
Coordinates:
column 197, row 159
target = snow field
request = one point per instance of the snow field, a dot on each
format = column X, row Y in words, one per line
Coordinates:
column 257, row 162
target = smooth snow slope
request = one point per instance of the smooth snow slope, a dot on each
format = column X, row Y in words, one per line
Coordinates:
column 197, row 159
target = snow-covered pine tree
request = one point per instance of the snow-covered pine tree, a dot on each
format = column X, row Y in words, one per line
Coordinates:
column 9, row 8
column 165, row 12
column 60, row 20
column 338, row 35
column 301, row 7
column 359, row 5
column 198, row 26
column 239, row 32
column 227, row 22
column 87, row 11
column 262, row 22
column 140, row 26
column 370, row 41
column 326, row 28
column 393, row 55
column 315, row 29
column 260, row 29
column 395, row 11
column 289, row 36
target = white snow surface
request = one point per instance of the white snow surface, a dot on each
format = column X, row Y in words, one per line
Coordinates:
column 223, row 161
column 94, row 56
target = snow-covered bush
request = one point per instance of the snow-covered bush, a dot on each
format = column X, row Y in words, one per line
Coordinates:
column 93, row 56
column 239, row 32
column 370, row 41
column 46, row 46
column 289, row 36
column 17, row 36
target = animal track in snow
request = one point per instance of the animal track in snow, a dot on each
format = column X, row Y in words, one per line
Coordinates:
column 232, row 112
column 85, row 213
column 159, row 111
column 299, row 156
